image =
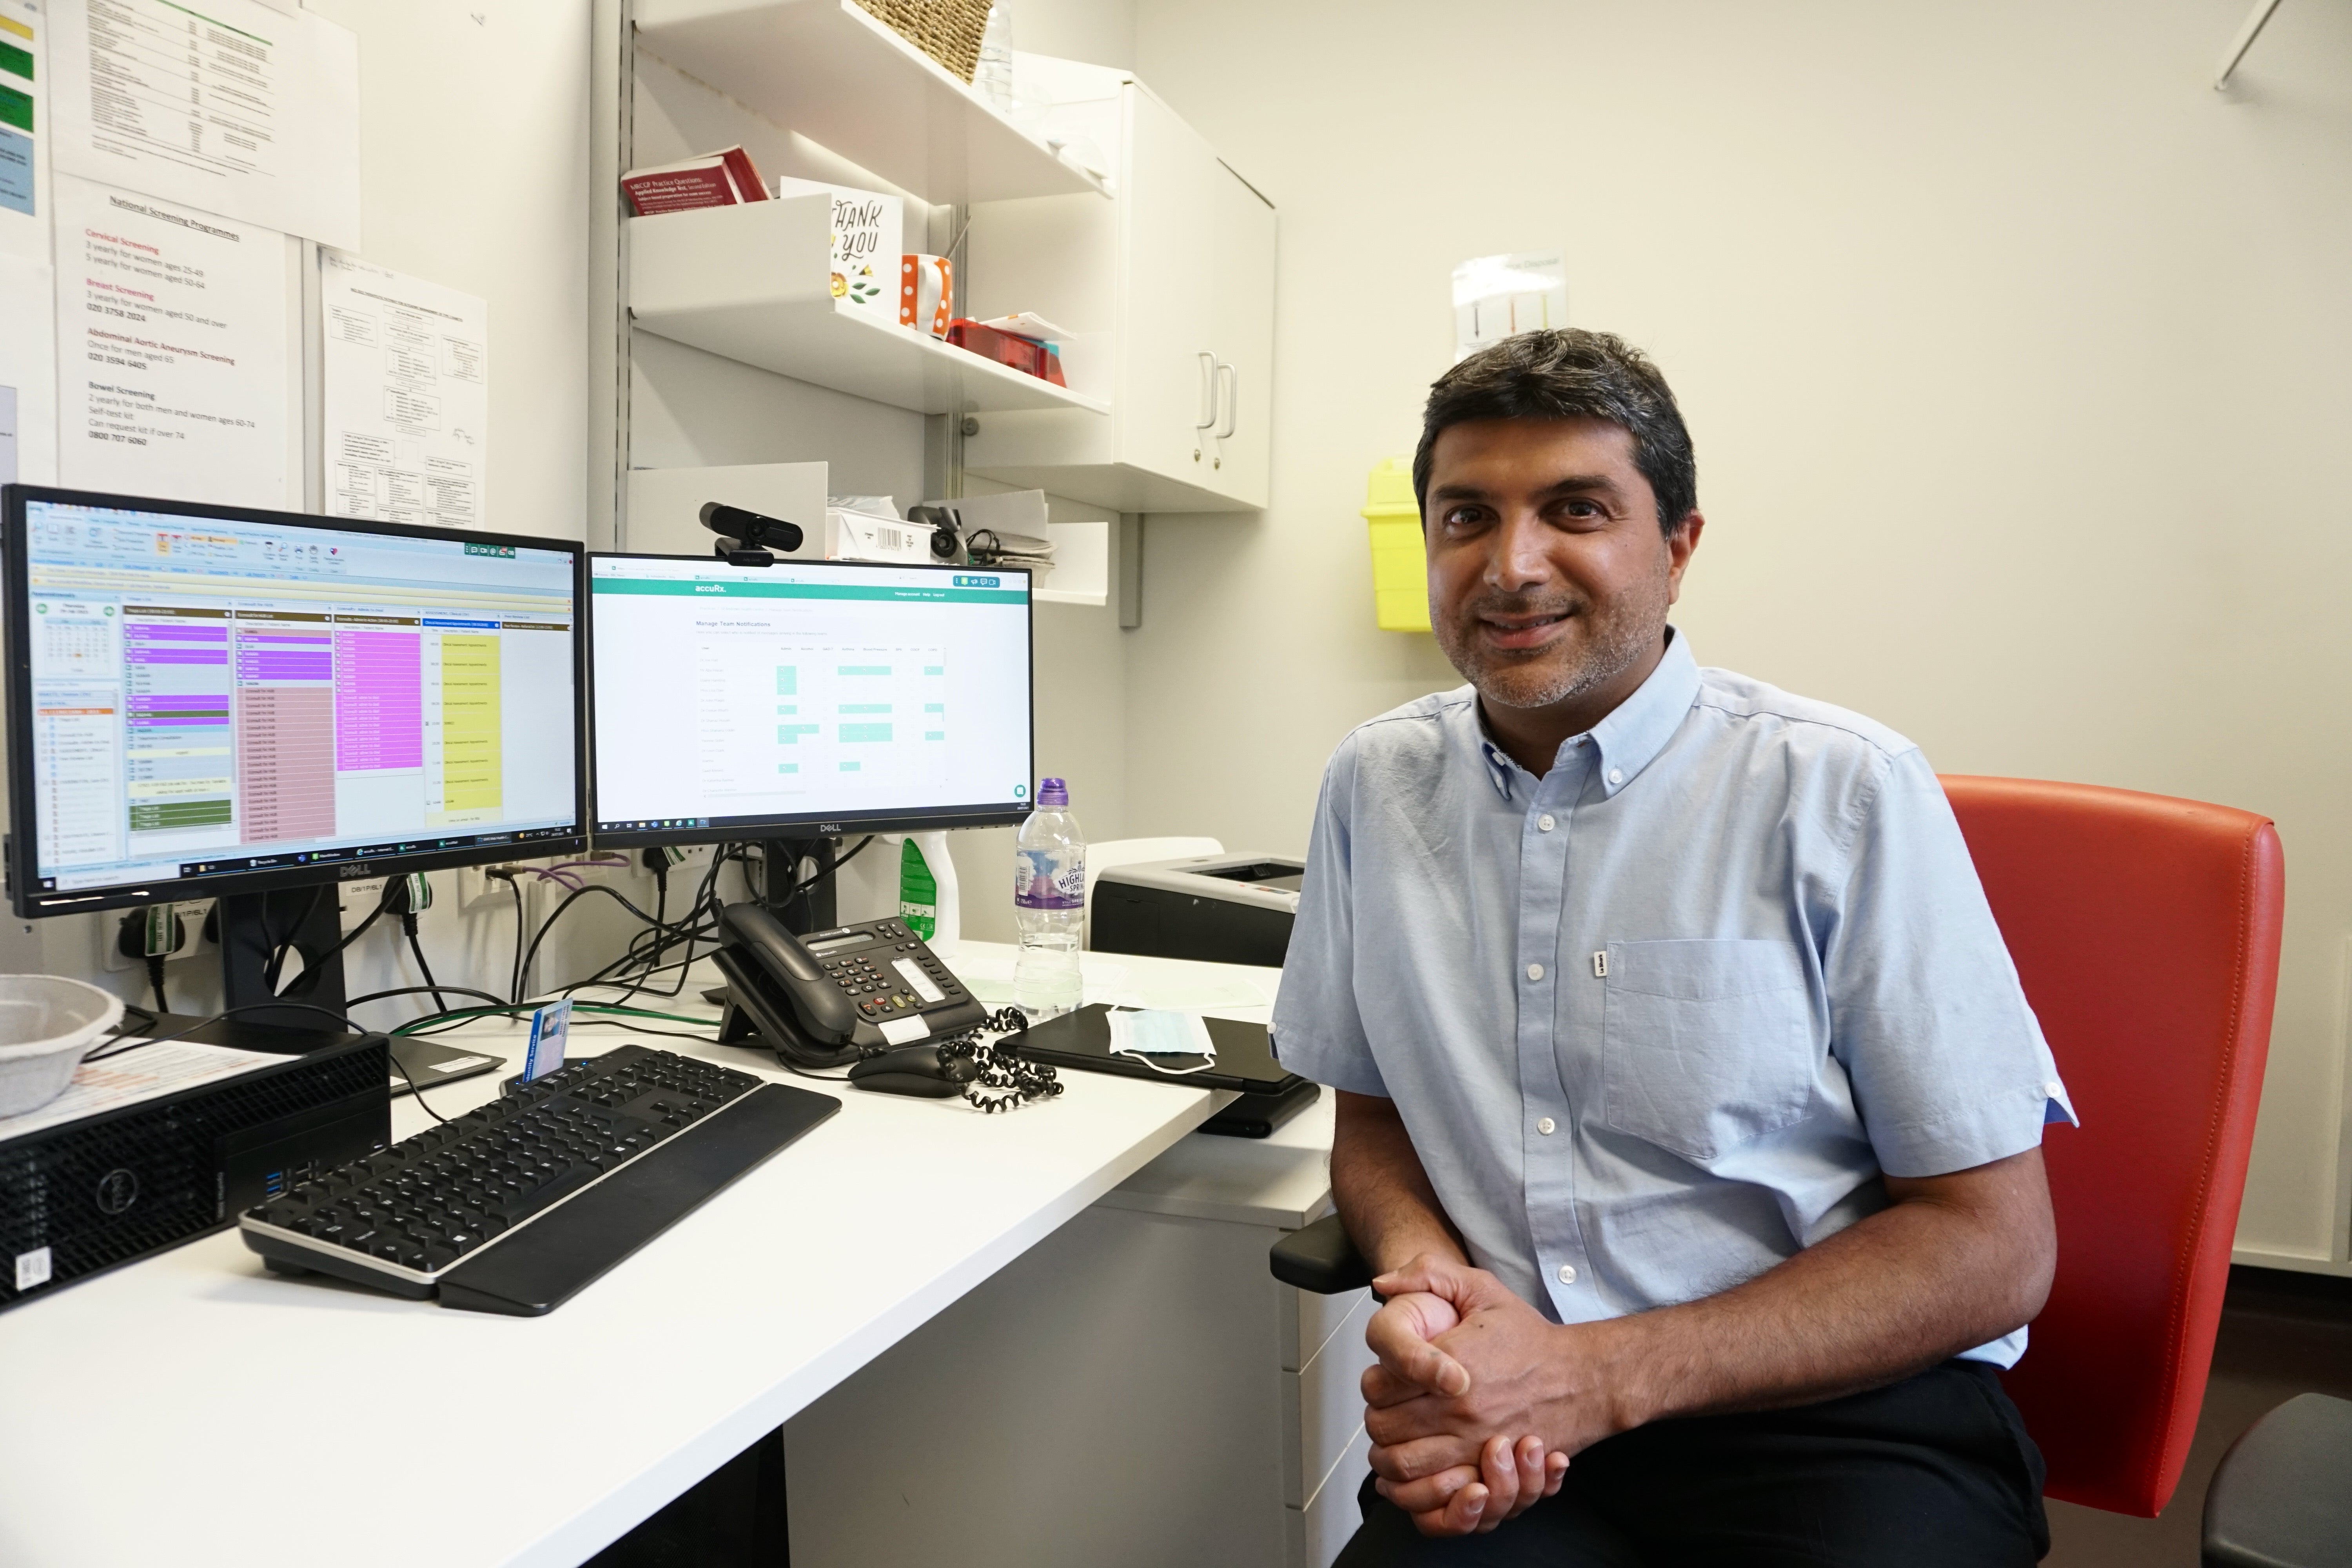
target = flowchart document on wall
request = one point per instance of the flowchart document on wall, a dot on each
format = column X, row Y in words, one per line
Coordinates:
column 407, row 395
column 227, row 105
column 28, row 373
column 171, row 349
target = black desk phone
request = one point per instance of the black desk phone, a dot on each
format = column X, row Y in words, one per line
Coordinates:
column 822, row 1000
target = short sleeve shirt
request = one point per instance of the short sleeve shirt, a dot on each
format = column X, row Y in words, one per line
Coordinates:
column 1660, row 1019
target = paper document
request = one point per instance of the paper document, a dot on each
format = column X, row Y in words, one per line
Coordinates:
column 172, row 351
column 407, row 395
column 28, row 373
column 132, row 1077
column 230, row 106
column 24, row 205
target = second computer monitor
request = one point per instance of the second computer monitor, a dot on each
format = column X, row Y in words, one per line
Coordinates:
column 805, row 698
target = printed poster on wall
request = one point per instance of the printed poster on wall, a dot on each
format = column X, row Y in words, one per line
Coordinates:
column 407, row 395
column 231, row 106
column 171, row 349
column 24, row 199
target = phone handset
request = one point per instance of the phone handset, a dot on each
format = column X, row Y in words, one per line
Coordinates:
column 822, row 1009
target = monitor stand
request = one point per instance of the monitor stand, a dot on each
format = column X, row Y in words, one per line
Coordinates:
column 252, row 925
column 813, row 909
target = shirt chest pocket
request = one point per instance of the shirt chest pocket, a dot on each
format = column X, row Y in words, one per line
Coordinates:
column 1706, row 1044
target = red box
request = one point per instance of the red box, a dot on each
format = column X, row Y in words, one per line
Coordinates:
column 1024, row 354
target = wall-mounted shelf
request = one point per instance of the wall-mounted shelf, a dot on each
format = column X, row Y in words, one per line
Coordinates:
column 839, row 77
column 753, row 284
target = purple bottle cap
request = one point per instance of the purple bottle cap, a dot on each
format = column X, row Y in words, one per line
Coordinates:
column 1052, row 792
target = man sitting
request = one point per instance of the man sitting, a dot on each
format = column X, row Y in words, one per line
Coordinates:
column 1687, row 1100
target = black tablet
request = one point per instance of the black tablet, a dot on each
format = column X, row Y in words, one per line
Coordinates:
column 1245, row 1060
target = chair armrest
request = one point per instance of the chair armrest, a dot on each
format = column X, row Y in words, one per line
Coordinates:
column 1320, row 1259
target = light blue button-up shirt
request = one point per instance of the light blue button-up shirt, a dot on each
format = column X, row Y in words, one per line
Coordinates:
column 1659, row 1019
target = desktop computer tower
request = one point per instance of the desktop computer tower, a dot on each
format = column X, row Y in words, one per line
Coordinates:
column 83, row 1196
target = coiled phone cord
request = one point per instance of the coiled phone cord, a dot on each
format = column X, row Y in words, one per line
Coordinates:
column 1016, row 1082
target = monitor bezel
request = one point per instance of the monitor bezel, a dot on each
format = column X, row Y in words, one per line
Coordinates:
column 810, row 824
column 23, row 854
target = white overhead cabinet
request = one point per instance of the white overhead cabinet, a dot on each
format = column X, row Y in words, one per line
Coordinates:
column 1166, row 295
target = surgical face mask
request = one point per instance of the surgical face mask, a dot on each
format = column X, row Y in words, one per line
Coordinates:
column 1155, row 1032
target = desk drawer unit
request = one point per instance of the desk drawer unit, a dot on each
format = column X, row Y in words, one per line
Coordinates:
column 1319, row 1530
column 1323, row 1404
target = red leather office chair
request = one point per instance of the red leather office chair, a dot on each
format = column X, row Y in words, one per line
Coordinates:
column 2145, row 930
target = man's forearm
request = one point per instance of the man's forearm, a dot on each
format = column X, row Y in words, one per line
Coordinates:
column 1385, row 1198
column 1955, row 1262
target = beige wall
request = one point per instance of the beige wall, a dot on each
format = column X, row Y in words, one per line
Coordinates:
column 2014, row 353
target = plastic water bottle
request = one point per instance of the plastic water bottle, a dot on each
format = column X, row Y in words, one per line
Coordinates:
column 993, row 77
column 1049, row 903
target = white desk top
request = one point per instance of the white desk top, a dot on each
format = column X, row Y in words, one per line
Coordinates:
column 192, row 1408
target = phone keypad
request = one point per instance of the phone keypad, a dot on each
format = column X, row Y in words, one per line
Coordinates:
column 870, row 976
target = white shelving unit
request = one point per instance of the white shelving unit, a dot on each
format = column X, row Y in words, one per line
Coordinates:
column 753, row 284
column 839, row 77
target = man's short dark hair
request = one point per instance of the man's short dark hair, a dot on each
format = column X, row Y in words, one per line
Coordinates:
column 1569, row 373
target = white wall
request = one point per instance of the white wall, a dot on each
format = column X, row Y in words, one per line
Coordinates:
column 2014, row 355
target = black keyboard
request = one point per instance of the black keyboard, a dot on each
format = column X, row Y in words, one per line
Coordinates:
column 515, row 1207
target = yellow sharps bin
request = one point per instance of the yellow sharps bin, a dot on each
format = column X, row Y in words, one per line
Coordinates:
column 1399, row 564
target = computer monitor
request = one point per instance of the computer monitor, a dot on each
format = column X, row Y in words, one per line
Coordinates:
column 214, row 700
column 805, row 698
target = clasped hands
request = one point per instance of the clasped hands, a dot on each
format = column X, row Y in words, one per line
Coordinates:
column 1477, row 1401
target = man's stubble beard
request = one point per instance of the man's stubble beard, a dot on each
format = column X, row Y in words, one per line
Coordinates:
column 1615, row 640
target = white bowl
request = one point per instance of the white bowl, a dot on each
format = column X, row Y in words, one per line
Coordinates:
column 48, row 1023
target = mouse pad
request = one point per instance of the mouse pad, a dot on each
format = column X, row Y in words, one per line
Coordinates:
column 1082, row 1040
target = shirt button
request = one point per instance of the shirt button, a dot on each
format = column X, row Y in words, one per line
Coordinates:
column 1544, row 824
column 2053, row 1089
column 1546, row 1126
column 1535, row 972
column 1616, row 775
column 1568, row 1273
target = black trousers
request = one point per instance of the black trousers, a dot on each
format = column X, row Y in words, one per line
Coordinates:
column 1933, row 1471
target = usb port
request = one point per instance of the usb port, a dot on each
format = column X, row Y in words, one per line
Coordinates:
column 274, row 1183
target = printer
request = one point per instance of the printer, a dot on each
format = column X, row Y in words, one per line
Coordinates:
column 1224, row 908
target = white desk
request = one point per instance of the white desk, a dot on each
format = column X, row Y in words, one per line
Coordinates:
column 194, row 1410
column 1137, row 1389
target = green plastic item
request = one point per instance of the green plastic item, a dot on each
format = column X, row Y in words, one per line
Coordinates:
column 918, row 892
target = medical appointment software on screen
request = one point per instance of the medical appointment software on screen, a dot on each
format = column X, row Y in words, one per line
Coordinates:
column 213, row 695
column 818, row 690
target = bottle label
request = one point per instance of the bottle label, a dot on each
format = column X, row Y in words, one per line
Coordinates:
column 1043, row 879
column 918, row 893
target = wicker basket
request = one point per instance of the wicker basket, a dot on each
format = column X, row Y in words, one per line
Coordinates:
column 946, row 30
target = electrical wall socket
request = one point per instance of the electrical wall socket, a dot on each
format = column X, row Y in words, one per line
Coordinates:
column 193, row 944
column 477, row 888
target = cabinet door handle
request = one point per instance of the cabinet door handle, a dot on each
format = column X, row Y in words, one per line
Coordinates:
column 1232, row 380
column 1208, row 391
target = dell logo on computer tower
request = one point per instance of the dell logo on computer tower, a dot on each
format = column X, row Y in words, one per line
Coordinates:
column 117, row 1191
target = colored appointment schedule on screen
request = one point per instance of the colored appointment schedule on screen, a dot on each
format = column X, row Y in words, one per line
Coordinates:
column 726, row 696
column 213, row 695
